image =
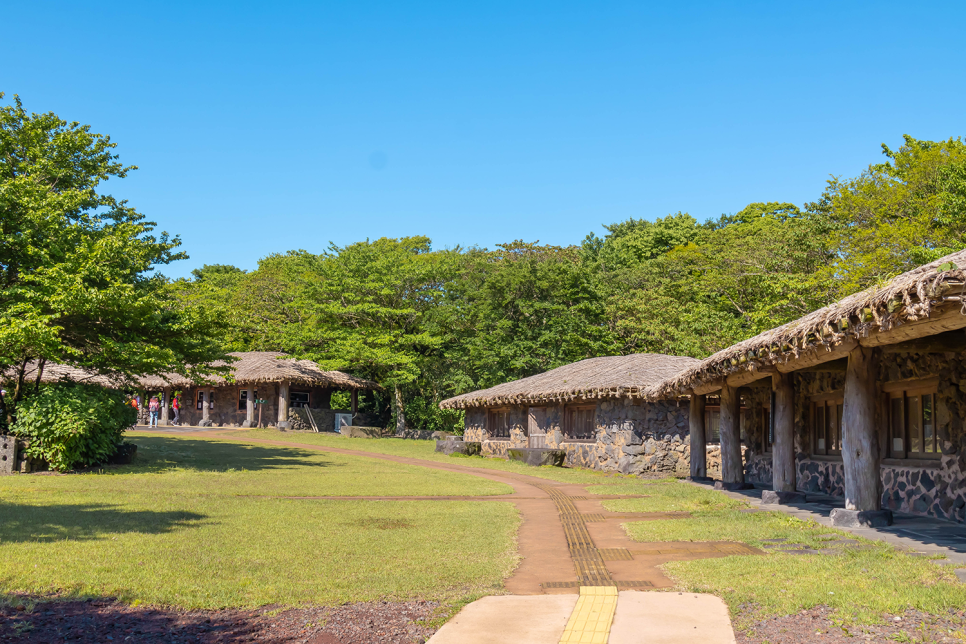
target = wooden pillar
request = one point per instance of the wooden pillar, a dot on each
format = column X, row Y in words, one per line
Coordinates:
column 165, row 403
column 249, row 406
column 283, row 397
column 783, row 448
column 860, row 440
column 732, row 468
column 699, row 439
column 204, row 407
column 355, row 401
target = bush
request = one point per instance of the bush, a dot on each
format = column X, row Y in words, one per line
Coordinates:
column 72, row 425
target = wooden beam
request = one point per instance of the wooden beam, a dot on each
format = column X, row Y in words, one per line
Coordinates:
column 950, row 341
column 860, row 438
column 935, row 324
column 709, row 387
column 745, row 378
column 833, row 366
column 819, row 356
column 783, row 449
column 732, row 468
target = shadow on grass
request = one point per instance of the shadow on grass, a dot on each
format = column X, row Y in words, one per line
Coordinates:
column 36, row 620
column 156, row 454
column 85, row 522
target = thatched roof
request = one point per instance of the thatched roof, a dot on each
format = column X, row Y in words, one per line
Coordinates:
column 58, row 372
column 594, row 378
column 910, row 297
column 250, row 367
column 270, row 366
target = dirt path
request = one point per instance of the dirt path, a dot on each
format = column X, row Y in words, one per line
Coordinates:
column 566, row 539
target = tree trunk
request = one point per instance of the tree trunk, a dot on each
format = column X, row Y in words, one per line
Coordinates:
column 699, row 440
column 783, row 449
column 249, row 407
column 732, row 469
column 165, row 403
column 283, row 397
column 400, row 411
column 860, row 440
column 40, row 374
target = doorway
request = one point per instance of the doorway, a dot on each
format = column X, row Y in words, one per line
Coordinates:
column 537, row 428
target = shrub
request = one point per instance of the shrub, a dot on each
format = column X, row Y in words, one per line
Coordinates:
column 72, row 425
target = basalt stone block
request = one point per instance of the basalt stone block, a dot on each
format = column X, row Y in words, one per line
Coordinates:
column 452, row 446
column 633, row 450
column 772, row 497
column 861, row 518
column 8, row 454
column 730, row 487
column 537, row 457
column 701, row 479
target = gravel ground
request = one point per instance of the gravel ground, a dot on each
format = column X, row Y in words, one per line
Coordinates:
column 817, row 625
column 101, row 621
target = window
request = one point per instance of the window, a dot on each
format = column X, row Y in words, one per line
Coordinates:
column 712, row 424
column 498, row 423
column 201, row 399
column 298, row 399
column 826, row 420
column 243, row 399
column 767, row 428
column 581, row 423
column 912, row 423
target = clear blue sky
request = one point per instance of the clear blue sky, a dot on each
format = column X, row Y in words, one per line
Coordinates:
column 264, row 127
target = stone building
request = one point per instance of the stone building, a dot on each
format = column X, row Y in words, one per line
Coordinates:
column 296, row 393
column 593, row 409
column 863, row 399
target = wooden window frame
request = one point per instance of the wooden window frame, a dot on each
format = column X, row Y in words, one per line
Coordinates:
column 491, row 423
column 898, row 421
column 568, row 423
column 291, row 398
column 827, row 425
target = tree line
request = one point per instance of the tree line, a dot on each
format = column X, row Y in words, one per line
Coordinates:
column 432, row 323
column 80, row 280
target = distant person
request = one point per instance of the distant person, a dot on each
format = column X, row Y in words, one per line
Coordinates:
column 176, row 406
column 153, row 408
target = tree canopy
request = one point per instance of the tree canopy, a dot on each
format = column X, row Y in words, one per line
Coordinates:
column 77, row 266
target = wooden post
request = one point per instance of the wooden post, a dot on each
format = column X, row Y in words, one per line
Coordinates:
column 732, row 469
column 283, row 405
column 165, row 403
column 860, row 445
column 204, row 407
column 699, row 440
column 783, row 448
column 355, row 401
column 249, row 406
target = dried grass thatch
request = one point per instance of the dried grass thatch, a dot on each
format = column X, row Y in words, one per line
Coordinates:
column 910, row 297
column 250, row 367
column 594, row 378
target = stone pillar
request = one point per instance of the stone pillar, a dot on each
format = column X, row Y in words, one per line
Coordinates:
column 860, row 445
column 283, row 405
column 165, row 403
column 783, row 448
column 732, row 468
column 249, row 407
column 205, row 422
column 699, row 440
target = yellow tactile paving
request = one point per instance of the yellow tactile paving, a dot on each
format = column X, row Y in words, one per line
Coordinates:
column 592, row 617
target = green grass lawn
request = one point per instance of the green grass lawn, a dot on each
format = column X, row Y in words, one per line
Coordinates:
column 199, row 524
column 861, row 585
column 424, row 450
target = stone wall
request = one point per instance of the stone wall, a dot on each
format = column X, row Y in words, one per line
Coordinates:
column 934, row 488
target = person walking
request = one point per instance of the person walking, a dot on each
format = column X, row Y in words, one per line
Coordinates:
column 175, row 406
column 153, row 408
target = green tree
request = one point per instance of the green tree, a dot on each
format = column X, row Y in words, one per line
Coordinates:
column 897, row 215
column 77, row 280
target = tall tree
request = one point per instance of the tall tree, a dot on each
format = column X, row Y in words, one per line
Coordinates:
column 77, row 280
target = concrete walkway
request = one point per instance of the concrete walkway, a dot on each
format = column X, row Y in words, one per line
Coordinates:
column 630, row 617
column 909, row 532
